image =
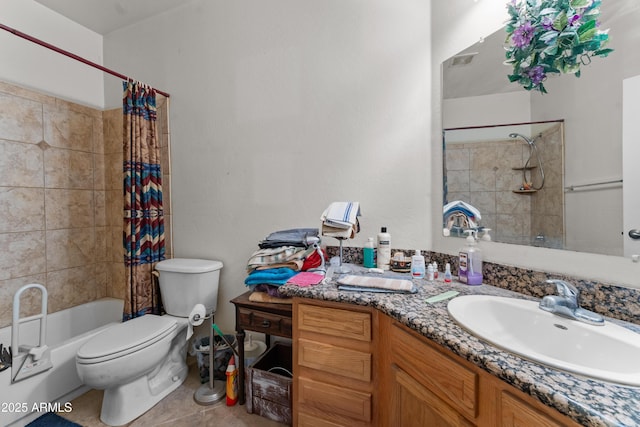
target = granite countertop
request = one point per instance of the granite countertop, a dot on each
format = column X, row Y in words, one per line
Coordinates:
column 587, row 401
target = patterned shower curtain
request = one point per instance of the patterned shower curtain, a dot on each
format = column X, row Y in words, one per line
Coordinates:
column 143, row 235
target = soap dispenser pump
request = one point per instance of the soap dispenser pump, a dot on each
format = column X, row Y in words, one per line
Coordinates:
column 470, row 261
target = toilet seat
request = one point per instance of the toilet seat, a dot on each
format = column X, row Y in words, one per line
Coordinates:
column 126, row 338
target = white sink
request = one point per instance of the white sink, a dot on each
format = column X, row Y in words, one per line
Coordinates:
column 609, row 352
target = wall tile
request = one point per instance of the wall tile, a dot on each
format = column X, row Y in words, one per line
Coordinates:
column 113, row 174
column 71, row 287
column 69, row 208
column 23, row 254
column 68, row 248
column 117, row 280
column 20, row 119
column 98, row 135
column 112, row 129
column 21, row 165
column 102, row 237
column 64, row 128
column 21, row 209
column 101, row 277
column 100, row 208
column 68, row 169
column 99, row 172
column 115, row 206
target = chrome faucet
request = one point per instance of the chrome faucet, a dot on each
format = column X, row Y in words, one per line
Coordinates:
column 567, row 304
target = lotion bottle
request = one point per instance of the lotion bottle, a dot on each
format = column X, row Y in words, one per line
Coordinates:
column 417, row 265
column 369, row 254
column 384, row 249
column 470, row 261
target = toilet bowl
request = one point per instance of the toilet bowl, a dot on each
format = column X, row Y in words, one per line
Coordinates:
column 138, row 362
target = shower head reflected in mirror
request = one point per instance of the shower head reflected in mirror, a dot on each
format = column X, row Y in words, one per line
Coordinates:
column 528, row 164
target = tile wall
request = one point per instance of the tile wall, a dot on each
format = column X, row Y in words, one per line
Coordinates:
column 61, row 200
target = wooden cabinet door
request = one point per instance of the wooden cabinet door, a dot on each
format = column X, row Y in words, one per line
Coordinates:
column 413, row 405
column 516, row 413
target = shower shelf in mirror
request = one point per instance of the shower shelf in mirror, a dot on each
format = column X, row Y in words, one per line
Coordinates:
column 525, row 191
column 524, row 168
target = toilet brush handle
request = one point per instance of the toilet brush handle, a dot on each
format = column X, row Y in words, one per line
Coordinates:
column 215, row 327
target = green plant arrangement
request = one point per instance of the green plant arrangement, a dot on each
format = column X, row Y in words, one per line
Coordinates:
column 551, row 37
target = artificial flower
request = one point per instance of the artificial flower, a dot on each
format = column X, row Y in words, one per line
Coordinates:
column 547, row 37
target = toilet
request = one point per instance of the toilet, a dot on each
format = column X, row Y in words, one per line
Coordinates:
column 138, row 362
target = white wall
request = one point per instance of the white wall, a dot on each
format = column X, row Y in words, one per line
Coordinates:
column 29, row 65
column 496, row 109
column 457, row 24
column 279, row 108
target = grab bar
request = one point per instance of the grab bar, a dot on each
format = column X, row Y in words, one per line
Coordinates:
column 574, row 187
column 42, row 317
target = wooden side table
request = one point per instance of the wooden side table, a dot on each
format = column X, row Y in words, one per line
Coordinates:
column 268, row 318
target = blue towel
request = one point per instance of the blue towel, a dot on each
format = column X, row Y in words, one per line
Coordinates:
column 270, row 276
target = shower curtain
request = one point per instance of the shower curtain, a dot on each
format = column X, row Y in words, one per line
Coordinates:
column 143, row 236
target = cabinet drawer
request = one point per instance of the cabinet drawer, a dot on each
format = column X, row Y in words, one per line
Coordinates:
column 454, row 382
column 335, row 322
column 267, row 323
column 334, row 360
column 334, row 400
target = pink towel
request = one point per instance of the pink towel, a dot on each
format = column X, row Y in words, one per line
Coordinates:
column 306, row 278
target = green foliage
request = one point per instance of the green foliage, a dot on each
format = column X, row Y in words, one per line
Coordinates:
column 552, row 37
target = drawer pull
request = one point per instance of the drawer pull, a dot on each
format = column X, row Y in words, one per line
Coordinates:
column 266, row 323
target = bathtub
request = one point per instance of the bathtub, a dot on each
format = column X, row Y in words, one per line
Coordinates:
column 67, row 330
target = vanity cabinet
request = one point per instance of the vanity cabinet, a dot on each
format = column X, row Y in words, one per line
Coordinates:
column 426, row 384
column 333, row 364
column 355, row 366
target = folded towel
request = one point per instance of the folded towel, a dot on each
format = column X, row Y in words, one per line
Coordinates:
column 265, row 297
column 464, row 207
column 340, row 220
column 273, row 276
column 294, row 265
column 301, row 237
column 306, row 279
column 380, row 284
column 271, row 256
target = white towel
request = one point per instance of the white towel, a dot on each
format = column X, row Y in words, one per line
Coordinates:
column 380, row 283
column 340, row 220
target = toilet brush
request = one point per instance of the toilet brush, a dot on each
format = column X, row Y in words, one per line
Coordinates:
column 212, row 391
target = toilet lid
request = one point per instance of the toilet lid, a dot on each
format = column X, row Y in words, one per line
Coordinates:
column 126, row 337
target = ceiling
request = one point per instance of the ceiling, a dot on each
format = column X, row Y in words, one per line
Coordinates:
column 105, row 16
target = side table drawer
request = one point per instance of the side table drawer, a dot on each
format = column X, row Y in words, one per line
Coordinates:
column 267, row 323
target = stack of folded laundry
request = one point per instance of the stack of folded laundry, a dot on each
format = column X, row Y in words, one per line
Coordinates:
column 340, row 220
column 282, row 255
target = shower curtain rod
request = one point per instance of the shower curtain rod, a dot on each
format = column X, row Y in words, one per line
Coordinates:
column 71, row 55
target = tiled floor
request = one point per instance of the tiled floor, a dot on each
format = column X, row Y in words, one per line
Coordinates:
column 178, row 409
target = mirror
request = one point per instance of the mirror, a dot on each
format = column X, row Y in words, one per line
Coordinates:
column 478, row 98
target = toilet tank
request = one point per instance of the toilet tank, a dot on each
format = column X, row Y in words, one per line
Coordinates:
column 186, row 282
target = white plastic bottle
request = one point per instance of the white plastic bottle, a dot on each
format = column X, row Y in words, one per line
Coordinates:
column 369, row 254
column 417, row 265
column 384, row 249
column 430, row 275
